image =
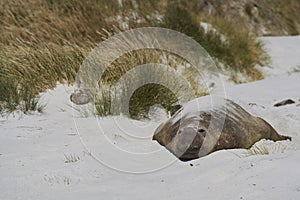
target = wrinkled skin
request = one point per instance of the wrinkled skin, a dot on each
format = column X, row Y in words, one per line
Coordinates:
column 184, row 135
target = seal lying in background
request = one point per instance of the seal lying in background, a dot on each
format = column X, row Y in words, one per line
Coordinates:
column 192, row 133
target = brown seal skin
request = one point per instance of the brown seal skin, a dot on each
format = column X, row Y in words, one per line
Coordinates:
column 240, row 130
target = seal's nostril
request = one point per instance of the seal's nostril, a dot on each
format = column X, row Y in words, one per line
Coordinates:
column 202, row 132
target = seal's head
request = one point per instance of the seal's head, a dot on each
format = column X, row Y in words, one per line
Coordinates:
column 193, row 131
column 184, row 136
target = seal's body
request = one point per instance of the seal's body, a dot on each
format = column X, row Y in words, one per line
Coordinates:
column 193, row 134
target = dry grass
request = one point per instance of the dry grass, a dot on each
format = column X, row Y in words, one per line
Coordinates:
column 44, row 65
column 57, row 21
column 258, row 150
column 282, row 13
column 27, row 70
column 68, row 21
column 259, row 17
column 265, row 147
column 234, row 48
column 43, row 42
column 243, row 51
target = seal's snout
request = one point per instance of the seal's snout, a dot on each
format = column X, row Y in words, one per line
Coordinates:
column 188, row 142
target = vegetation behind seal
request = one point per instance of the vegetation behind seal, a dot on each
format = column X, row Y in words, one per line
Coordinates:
column 43, row 42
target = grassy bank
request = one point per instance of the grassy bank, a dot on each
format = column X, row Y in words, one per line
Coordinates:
column 45, row 41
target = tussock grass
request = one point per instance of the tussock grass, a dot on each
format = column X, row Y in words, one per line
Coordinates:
column 70, row 21
column 234, row 48
column 147, row 95
column 285, row 13
column 43, row 42
column 263, row 17
column 42, row 65
column 28, row 70
column 14, row 97
column 58, row 21
column 243, row 51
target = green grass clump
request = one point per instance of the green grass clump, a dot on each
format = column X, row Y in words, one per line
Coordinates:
column 147, row 95
column 140, row 102
column 9, row 100
column 72, row 158
column 15, row 97
column 150, row 95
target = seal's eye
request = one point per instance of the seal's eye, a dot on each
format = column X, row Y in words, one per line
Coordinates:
column 202, row 131
column 179, row 132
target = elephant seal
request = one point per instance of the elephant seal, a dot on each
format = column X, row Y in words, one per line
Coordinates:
column 200, row 128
